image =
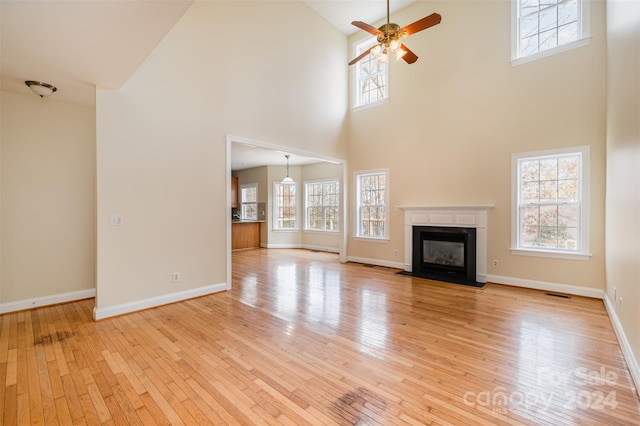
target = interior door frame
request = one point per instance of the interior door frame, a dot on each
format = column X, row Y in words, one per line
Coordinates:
column 230, row 139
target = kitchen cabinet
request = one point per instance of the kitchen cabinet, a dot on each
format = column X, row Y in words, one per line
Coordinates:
column 245, row 235
column 234, row 192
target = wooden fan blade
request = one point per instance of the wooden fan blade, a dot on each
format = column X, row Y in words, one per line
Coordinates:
column 408, row 57
column 362, row 55
column 368, row 28
column 422, row 24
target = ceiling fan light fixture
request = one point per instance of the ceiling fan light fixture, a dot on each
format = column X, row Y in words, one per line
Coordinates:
column 394, row 45
column 40, row 88
column 389, row 36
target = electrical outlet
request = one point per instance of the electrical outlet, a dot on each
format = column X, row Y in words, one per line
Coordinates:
column 496, row 263
column 176, row 277
column 395, row 252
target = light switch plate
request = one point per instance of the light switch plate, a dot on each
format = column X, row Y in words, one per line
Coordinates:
column 116, row 219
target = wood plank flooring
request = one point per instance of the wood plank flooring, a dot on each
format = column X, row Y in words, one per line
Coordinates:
column 303, row 339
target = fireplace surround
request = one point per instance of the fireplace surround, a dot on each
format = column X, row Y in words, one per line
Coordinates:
column 451, row 218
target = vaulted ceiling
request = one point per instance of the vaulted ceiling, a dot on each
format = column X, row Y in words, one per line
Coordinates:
column 81, row 45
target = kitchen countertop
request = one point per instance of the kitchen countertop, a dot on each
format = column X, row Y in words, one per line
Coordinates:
column 246, row 221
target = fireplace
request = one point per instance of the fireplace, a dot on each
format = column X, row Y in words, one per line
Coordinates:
column 447, row 219
column 444, row 253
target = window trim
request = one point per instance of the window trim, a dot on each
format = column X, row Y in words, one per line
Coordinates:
column 242, row 203
column 583, row 253
column 306, row 206
column 584, row 36
column 357, row 219
column 355, row 92
column 274, row 222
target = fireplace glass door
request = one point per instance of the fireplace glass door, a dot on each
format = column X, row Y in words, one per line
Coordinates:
column 447, row 253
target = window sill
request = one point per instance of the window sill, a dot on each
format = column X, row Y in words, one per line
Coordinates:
column 551, row 254
column 321, row 231
column 371, row 105
column 286, row 230
column 372, row 239
column 546, row 53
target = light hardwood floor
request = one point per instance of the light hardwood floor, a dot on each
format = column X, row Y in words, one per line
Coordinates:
column 303, row 339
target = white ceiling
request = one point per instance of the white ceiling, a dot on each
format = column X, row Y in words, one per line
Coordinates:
column 81, row 45
column 244, row 156
column 342, row 12
column 78, row 45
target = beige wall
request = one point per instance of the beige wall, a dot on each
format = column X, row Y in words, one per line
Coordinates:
column 623, row 172
column 48, row 198
column 161, row 138
column 455, row 117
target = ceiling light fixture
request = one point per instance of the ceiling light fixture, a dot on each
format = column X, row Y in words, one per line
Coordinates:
column 41, row 89
column 288, row 178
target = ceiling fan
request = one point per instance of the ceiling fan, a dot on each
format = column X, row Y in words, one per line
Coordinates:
column 389, row 36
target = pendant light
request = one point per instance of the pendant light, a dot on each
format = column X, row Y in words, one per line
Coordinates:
column 288, row 178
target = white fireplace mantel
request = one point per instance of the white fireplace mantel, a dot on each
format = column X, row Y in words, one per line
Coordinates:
column 451, row 216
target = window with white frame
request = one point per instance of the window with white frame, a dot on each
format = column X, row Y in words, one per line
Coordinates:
column 543, row 27
column 371, row 204
column 550, row 211
column 285, row 206
column 371, row 77
column 249, row 201
column 322, row 205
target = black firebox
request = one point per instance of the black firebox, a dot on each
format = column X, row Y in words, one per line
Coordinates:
column 445, row 254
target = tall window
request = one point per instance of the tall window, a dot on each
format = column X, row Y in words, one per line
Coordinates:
column 322, row 202
column 544, row 25
column 371, row 204
column 249, row 201
column 551, row 191
column 285, row 206
column 371, row 78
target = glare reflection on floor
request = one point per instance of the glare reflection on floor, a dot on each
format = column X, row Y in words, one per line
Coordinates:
column 323, row 299
column 544, row 351
column 250, row 289
column 286, row 291
column 373, row 325
column 321, row 302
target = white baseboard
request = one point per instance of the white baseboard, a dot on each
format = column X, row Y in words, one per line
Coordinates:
column 282, row 246
column 320, row 248
column 378, row 262
column 627, row 352
column 547, row 286
column 54, row 299
column 300, row 246
column 152, row 302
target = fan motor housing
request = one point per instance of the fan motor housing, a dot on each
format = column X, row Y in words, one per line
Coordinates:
column 389, row 32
